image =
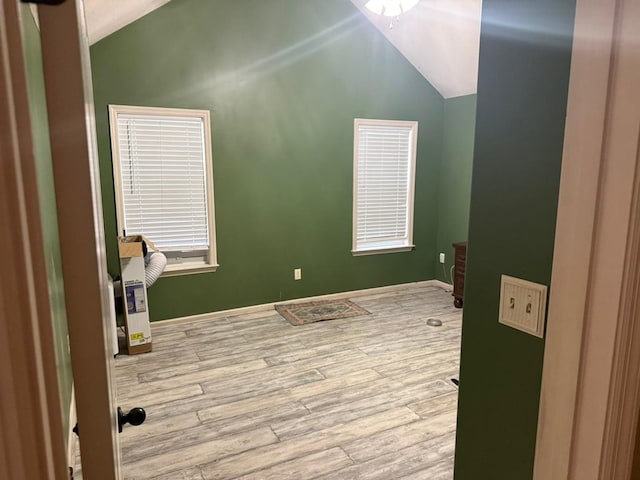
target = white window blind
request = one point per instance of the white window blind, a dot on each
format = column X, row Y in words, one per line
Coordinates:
column 162, row 164
column 384, row 169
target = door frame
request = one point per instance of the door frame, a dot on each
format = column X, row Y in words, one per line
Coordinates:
column 69, row 93
column 32, row 436
column 590, row 395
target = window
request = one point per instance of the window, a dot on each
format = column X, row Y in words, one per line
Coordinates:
column 383, row 185
column 164, row 182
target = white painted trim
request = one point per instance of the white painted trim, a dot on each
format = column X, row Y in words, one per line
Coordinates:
column 114, row 110
column 591, row 380
column 188, row 269
column 575, row 223
column 31, row 413
column 73, row 419
column 624, row 398
column 623, row 408
column 442, row 285
column 164, row 111
column 380, row 251
column 269, row 306
column 69, row 93
column 605, row 429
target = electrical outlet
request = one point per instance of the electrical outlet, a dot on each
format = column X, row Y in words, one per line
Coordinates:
column 442, row 257
column 297, row 274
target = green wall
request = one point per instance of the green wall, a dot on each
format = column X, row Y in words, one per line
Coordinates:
column 283, row 80
column 454, row 187
column 40, row 130
column 525, row 50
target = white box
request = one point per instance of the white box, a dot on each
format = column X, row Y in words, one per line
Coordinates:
column 134, row 294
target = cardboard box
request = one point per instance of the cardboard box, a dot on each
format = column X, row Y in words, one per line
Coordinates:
column 134, row 292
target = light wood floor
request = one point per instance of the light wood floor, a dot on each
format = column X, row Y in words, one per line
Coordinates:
column 251, row 397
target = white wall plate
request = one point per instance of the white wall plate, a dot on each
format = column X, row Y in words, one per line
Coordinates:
column 523, row 305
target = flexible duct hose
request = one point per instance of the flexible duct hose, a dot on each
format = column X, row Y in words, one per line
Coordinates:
column 155, row 267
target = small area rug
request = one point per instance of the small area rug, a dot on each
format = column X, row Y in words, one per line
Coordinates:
column 302, row 313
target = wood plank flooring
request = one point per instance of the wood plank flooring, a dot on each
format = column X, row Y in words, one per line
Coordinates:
column 252, row 397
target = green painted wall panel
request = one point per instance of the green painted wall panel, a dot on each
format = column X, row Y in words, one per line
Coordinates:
column 525, row 51
column 48, row 212
column 459, row 120
column 283, row 80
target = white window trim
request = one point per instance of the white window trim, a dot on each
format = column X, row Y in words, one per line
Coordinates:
column 413, row 125
column 114, row 111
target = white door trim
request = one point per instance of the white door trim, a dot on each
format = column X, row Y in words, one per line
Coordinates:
column 590, row 398
column 68, row 86
column 32, row 440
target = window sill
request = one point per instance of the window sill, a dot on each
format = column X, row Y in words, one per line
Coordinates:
column 188, row 269
column 378, row 251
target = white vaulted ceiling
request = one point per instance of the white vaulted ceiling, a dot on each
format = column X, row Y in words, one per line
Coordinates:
column 439, row 37
column 107, row 16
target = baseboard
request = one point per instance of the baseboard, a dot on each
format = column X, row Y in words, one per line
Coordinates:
column 443, row 285
column 269, row 306
column 73, row 419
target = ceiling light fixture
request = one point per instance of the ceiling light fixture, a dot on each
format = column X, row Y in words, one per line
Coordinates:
column 390, row 8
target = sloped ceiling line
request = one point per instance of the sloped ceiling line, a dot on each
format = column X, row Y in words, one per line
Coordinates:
column 440, row 38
